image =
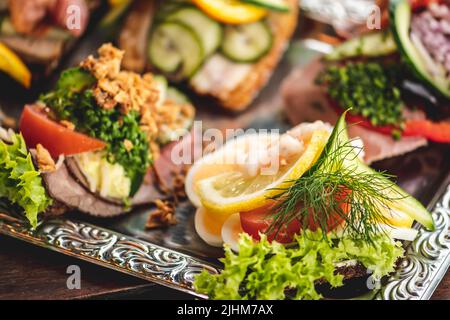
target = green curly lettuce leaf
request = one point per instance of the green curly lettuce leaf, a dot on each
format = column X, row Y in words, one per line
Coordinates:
column 266, row 271
column 20, row 182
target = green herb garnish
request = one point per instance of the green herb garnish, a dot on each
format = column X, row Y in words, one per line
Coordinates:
column 73, row 100
column 369, row 88
column 339, row 187
column 263, row 270
column 20, row 182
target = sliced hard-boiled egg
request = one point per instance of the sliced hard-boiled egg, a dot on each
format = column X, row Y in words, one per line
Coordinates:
column 231, row 230
column 209, row 226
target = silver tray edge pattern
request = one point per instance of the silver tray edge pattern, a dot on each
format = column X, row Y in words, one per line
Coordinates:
column 426, row 261
column 112, row 250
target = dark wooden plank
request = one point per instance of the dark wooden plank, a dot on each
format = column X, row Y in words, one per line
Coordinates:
column 29, row 272
column 443, row 290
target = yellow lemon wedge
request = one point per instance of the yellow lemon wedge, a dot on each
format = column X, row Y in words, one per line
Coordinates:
column 229, row 189
column 114, row 3
column 12, row 65
column 397, row 219
column 231, row 11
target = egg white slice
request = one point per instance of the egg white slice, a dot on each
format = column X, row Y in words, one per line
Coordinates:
column 231, row 230
column 209, row 226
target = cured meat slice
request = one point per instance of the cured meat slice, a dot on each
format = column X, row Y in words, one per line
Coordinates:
column 306, row 102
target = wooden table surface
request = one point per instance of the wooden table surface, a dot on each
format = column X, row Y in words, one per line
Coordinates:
column 29, row 272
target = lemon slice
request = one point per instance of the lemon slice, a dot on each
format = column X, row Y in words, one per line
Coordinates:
column 232, row 190
column 218, row 162
column 231, row 11
column 12, row 65
column 397, row 219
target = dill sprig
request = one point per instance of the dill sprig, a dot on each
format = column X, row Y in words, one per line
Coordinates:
column 338, row 189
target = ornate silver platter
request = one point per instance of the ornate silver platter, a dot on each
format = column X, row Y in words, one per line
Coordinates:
column 426, row 262
column 173, row 256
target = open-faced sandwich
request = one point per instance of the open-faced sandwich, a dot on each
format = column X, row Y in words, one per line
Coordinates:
column 321, row 216
column 93, row 143
column 397, row 82
column 40, row 32
column 220, row 48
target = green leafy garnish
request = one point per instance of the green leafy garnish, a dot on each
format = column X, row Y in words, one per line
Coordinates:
column 73, row 100
column 369, row 88
column 340, row 188
column 20, row 182
column 75, row 79
column 269, row 271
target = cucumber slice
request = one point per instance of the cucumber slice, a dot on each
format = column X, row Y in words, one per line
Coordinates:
column 369, row 45
column 401, row 200
column 247, row 42
column 175, row 48
column 167, row 134
column 176, row 96
column 208, row 30
column 400, row 21
column 166, row 9
column 274, row 5
column 162, row 84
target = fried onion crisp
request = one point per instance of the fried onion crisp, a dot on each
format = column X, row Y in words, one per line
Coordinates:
column 44, row 159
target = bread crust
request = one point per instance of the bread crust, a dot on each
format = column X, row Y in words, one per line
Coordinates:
column 283, row 26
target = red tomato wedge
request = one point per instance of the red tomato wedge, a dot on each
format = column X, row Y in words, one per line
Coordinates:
column 258, row 221
column 418, row 4
column 433, row 131
column 255, row 221
column 36, row 128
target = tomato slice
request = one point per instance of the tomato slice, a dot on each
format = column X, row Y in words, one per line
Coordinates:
column 36, row 128
column 433, row 131
column 231, row 11
column 258, row 221
column 418, row 4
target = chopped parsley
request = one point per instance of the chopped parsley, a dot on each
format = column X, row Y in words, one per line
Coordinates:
column 369, row 88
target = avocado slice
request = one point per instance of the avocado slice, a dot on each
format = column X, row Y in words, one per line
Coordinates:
column 400, row 16
column 403, row 201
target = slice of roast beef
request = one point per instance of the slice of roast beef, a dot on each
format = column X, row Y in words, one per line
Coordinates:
column 64, row 188
column 69, row 187
column 174, row 159
column 134, row 34
column 305, row 102
column 146, row 194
